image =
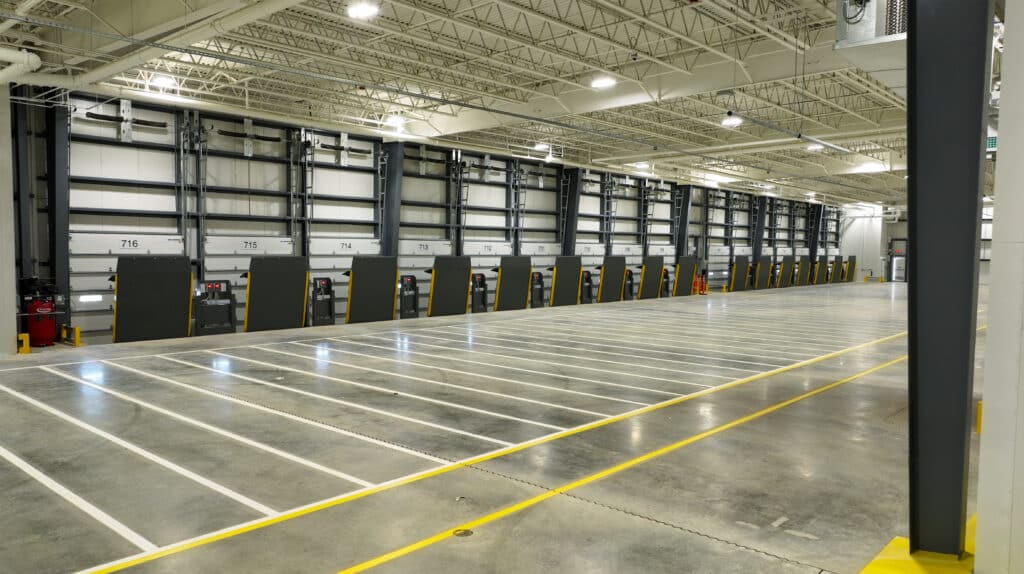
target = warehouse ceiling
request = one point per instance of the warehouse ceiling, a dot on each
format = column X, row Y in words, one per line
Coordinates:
column 629, row 85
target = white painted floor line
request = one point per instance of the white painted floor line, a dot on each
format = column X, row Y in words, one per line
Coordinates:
column 78, row 502
column 208, row 427
column 521, row 349
column 135, row 449
column 624, row 328
column 751, row 349
column 429, row 381
column 468, row 374
column 385, row 390
column 546, row 341
column 649, row 347
column 533, row 360
column 825, row 327
column 342, row 402
column 282, row 414
column 520, row 369
column 687, row 349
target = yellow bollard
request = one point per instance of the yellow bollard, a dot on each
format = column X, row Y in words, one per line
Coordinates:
column 724, row 290
column 23, row 344
column 74, row 338
column 881, row 280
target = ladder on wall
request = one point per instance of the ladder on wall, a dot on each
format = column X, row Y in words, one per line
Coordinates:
column 306, row 199
column 678, row 206
column 517, row 186
column 458, row 195
column 610, row 208
column 565, row 183
column 381, row 191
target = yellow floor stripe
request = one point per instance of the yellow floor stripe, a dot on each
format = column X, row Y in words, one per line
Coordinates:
column 263, row 523
column 440, row 536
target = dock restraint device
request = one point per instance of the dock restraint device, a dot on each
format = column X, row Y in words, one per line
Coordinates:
column 738, row 276
column 372, row 284
column 686, row 275
column 276, row 292
column 586, row 288
column 450, row 278
column 322, row 302
column 803, row 271
column 152, row 297
column 650, row 277
column 512, row 290
column 613, row 279
column 820, row 271
column 763, row 272
column 214, row 308
column 536, row 289
column 785, row 278
column 837, row 270
column 566, row 279
column 478, row 293
column 408, row 297
column 851, row 269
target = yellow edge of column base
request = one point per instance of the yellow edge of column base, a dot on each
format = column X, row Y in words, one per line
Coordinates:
column 896, row 558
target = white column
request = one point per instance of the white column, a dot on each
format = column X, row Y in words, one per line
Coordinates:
column 8, row 232
column 1000, row 537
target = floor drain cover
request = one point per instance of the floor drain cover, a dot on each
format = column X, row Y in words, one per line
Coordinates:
column 463, row 532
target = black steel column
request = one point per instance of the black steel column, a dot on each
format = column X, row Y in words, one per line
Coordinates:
column 395, row 154
column 757, row 227
column 569, row 205
column 815, row 221
column 683, row 197
column 23, row 182
column 57, row 166
column 947, row 130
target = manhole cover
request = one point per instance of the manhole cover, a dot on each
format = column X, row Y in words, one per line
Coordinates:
column 463, row 532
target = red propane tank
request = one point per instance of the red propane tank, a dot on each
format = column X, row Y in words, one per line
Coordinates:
column 42, row 323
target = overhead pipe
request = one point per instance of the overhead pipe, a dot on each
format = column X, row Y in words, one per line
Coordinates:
column 22, row 62
column 21, row 9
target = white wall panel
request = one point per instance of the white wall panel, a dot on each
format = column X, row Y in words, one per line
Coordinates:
column 421, row 189
column 236, row 204
column 118, row 197
column 96, row 160
column 122, row 224
column 343, row 210
column 246, row 174
column 343, row 183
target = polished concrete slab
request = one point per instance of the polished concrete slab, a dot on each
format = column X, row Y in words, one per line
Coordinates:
column 302, row 447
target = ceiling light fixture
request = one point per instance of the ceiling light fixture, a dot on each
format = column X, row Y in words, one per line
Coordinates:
column 540, row 146
column 362, row 10
column 602, row 82
column 394, row 120
column 549, row 158
column 641, row 165
column 164, row 82
column 815, row 147
column 731, row 120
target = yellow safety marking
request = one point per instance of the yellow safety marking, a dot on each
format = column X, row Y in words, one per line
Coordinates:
column 732, row 279
column 113, row 326
column 469, row 288
column 305, row 301
column 394, row 295
column 76, row 336
column 24, row 347
column 529, row 289
column 430, row 297
column 348, row 300
column 509, row 510
column 579, row 284
column 245, row 316
column 622, row 290
column 191, row 285
column 757, row 275
column 896, row 557
column 554, row 275
column 497, row 289
column 263, row 523
column 600, row 285
column 643, row 272
column 977, row 419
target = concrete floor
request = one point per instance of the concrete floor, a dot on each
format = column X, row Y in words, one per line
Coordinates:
column 332, row 446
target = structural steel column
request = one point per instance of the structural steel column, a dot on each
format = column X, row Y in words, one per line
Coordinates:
column 24, row 182
column 8, row 281
column 570, row 209
column 947, row 129
column 57, row 167
column 1001, row 475
column 684, row 197
column 815, row 222
column 395, row 153
column 757, row 228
